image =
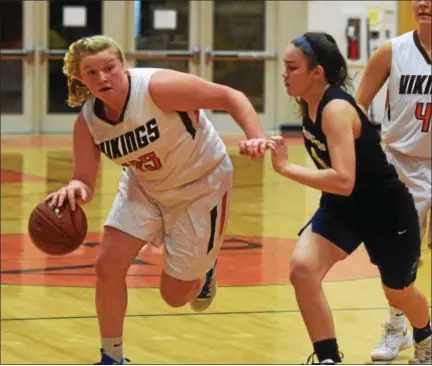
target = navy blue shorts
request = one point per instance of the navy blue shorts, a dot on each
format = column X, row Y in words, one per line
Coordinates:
column 392, row 240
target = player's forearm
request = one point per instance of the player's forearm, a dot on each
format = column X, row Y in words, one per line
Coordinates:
column 326, row 180
column 86, row 155
column 85, row 168
column 243, row 112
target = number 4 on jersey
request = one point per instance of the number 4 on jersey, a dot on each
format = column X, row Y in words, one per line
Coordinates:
column 423, row 113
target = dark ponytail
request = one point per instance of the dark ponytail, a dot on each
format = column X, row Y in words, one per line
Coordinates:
column 321, row 49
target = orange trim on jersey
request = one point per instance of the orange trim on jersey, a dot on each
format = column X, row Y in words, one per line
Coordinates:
column 223, row 214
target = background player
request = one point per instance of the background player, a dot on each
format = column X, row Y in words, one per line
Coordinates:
column 176, row 180
column 406, row 131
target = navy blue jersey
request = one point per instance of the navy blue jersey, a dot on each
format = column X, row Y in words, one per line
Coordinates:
column 376, row 179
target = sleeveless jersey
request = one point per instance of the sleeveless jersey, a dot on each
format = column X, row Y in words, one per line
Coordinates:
column 161, row 150
column 375, row 177
column 407, row 123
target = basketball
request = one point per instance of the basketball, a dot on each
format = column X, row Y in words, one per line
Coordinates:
column 57, row 230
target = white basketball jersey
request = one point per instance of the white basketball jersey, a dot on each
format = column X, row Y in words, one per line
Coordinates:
column 407, row 124
column 162, row 150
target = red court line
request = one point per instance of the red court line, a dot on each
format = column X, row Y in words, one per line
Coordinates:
column 39, row 141
column 243, row 261
column 7, row 176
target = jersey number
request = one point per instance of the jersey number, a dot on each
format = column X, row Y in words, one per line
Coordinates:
column 147, row 162
column 423, row 113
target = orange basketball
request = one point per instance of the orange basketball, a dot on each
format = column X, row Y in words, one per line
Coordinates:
column 57, row 230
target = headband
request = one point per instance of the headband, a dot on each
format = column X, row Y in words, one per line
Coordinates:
column 304, row 44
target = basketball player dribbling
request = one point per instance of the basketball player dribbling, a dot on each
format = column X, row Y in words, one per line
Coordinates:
column 406, row 132
column 176, row 178
column 363, row 200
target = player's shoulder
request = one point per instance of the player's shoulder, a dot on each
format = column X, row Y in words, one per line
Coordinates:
column 140, row 78
column 405, row 38
column 87, row 109
column 341, row 106
column 394, row 47
column 142, row 72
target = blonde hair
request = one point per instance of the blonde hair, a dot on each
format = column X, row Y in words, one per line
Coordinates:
column 77, row 91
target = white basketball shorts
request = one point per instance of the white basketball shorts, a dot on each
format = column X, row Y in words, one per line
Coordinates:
column 192, row 232
column 416, row 174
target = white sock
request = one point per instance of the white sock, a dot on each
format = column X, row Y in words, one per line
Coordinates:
column 113, row 347
column 397, row 318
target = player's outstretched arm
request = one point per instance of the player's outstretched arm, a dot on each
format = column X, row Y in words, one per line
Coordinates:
column 173, row 90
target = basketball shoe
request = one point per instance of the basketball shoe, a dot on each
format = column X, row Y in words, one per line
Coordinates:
column 327, row 361
column 423, row 352
column 107, row 360
column 393, row 340
column 207, row 294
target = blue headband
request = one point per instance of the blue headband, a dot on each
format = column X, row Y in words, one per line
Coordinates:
column 304, row 44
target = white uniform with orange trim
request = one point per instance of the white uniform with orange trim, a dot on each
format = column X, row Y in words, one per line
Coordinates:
column 176, row 181
column 406, row 129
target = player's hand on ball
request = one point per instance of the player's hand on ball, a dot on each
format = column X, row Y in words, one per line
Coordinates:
column 278, row 147
column 255, row 148
column 76, row 192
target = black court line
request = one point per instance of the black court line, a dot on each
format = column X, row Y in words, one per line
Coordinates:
column 157, row 287
column 259, row 312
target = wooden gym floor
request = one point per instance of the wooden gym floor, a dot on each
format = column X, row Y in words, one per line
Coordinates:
column 47, row 312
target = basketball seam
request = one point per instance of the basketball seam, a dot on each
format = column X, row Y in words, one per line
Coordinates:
column 84, row 222
column 46, row 222
column 49, row 221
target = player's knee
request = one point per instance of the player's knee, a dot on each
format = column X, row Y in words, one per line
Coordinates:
column 302, row 272
column 398, row 298
column 175, row 292
column 107, row 269
column 173, row 299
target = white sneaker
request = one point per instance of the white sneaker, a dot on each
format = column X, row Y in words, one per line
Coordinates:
column 393, row 340
column 423, row 352
column 327, row 361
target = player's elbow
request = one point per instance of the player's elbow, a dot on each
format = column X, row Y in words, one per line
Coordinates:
column 231, row 98
column 346, row 186
column 223, row 98
column 214, row 97
column 362, row 100
column 363, row 106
